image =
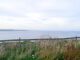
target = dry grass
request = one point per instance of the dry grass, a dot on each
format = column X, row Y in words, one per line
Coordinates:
column 41, row 50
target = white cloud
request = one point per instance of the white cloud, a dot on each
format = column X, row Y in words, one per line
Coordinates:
column 28, row 23
column 40, row 14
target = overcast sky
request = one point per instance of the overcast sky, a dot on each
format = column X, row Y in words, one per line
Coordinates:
column 40, row 14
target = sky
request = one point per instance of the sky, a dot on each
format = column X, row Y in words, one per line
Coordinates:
column 40, row 14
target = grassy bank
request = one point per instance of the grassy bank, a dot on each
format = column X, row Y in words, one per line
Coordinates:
column 41, row 50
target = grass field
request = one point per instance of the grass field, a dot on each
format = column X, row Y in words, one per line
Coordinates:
column 41, row 50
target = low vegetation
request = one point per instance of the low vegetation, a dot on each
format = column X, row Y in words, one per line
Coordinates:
column 41, row 50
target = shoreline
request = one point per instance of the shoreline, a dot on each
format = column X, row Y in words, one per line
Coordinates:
column 12, row 40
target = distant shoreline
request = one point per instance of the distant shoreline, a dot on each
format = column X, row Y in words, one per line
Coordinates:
column 11, row 30
column 12, row 40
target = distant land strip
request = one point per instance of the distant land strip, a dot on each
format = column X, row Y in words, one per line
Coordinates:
column 69, row 38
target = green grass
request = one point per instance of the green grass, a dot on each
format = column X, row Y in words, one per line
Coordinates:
column 41, row 50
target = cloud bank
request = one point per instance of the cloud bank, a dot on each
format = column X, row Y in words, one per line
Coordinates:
column 40, row 14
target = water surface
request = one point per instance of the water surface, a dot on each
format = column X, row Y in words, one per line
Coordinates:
column 36, row 34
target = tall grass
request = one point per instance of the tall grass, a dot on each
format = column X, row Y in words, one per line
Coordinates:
column 41, row 50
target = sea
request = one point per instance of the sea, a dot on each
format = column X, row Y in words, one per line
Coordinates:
column 5, row 35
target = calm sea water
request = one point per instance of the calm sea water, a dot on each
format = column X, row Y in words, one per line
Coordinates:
column 36, row 34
